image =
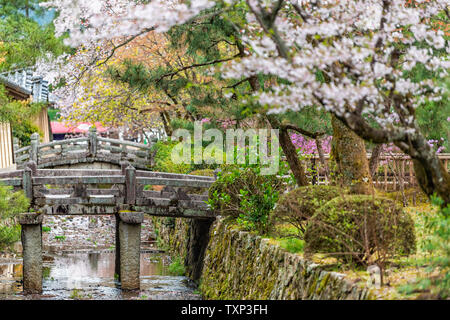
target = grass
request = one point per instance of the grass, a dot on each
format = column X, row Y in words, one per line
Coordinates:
column 77, row 294
column 60, row 238
column 46, row 272
column 292, row 245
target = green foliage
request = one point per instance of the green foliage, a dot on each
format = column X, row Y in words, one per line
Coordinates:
column 23, row 129
column 46, row 229
column 432, row 116
column 46, row 272
column 247, row 196
column 361, row 229
column 25, row 7
column 24, row 39
column 11, row 204
column 77, row 294
column 9, row 234
column 300, row 204
column 19, row 115
column 163, row 161
column 53, row 114
column 292, row 245
column 176, row 268
column 436, row 245
column 311, row 119
column 60, row 238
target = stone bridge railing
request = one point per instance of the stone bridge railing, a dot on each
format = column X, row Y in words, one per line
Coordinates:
column 95, row 192
column 90, row 149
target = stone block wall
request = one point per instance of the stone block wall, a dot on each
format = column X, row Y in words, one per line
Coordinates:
column 239, row 265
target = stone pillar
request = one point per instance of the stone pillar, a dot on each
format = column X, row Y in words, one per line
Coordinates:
column 92, row 136
column 117, row 260
column 129, row 248
column 34, row 143
column 32, row 252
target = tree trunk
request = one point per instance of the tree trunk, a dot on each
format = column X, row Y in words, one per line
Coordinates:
column 166, row 123
column 288, row 147
column 290, row 152
column 322, row 158
column 375, row 159
column 430, row 172
column 350, row 155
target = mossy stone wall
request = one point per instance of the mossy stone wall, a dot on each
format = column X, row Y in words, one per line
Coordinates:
column 240, row 265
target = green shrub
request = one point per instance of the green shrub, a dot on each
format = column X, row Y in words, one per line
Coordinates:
column 247, row 196
column 361, row 229
column 163, row 160
column 176, row 268
column 436, row 245
column 299, row 205
column 9, row 235
column 11, row 204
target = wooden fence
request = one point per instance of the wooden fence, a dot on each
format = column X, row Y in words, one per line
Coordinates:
column 393, row 170
column 6, row 147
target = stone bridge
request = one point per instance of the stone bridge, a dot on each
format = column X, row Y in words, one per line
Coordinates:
column 93, row 152
column 125, row 192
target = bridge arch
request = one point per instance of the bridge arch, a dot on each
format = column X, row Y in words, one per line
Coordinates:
column 91, row 152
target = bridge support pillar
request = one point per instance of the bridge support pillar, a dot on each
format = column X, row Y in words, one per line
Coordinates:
column 32, row 251
column 129, row 248
column 198, row 239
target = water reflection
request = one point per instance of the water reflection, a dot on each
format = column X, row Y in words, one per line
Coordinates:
column 91, row 276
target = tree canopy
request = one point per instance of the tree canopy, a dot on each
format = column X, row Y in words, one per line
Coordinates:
column 357, row 60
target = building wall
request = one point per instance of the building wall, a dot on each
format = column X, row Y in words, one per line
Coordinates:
column 41, row 121
column 6, row 146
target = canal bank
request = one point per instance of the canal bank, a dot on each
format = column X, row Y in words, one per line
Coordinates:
column 240, row 265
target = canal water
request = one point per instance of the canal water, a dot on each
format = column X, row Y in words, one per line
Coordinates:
column 90, row 275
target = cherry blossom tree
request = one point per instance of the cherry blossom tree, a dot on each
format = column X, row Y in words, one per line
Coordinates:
column 353, row 58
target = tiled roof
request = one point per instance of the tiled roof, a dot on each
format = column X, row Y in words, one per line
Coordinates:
column 25, row 83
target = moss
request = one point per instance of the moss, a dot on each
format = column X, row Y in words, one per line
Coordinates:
column 312, row 286
column 203, row 172
column 323, row 283
column 239, row 265
column 350, row 154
